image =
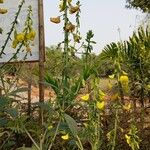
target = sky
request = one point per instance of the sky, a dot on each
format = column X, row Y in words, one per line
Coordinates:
column 103, row 17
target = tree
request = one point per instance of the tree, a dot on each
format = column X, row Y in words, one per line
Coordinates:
column 143, row 5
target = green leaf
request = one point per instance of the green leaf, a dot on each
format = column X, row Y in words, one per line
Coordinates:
column 3, row 102
column 45, row 106
column 72, row 124
column 13, row 112
column 3, row 122
column 53, row 83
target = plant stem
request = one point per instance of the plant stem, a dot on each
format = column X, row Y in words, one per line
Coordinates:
column 80, row 144
column 32, row 139
column 54, row 135
column 115, row 130
column 65, row 56
column 14, row 56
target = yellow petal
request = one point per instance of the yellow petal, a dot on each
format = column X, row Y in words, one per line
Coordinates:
column 65, row 137
column 20, row 37
column 100, row 105
column 110, row 86
column 127, row 107
column 14, row 44
column 111, row 76
column 101, row 95
column 31, row 35
column 124, row 79
column 127, row 137
column 85, row 97
column 124, row 73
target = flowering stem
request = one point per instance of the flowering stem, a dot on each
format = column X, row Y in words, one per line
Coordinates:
column 12, row 28
column 65, row 56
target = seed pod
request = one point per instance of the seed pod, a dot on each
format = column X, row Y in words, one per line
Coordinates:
column 74, row 9
column 1, row 1
column 76, row 38
column 55, row 19
column 3, row 11
column 69, row 27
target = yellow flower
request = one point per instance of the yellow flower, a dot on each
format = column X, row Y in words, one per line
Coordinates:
column 101, row 95
column 55, row 19
column 100, row 105
column 20, row 37
column 3, row 11
column 127, row 107
column 74, row 9
column 31, row 35
column 124, row 79
column 85, row 97
column 111, row 76
column 128, row 138
column 14, row 44
column 65, row 137
column 69, row 27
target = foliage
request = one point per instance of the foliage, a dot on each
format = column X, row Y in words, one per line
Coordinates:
column 144, row 5
column 81, row 114
column 134, row 58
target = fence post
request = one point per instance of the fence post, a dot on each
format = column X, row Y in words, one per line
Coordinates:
column 41, row 57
